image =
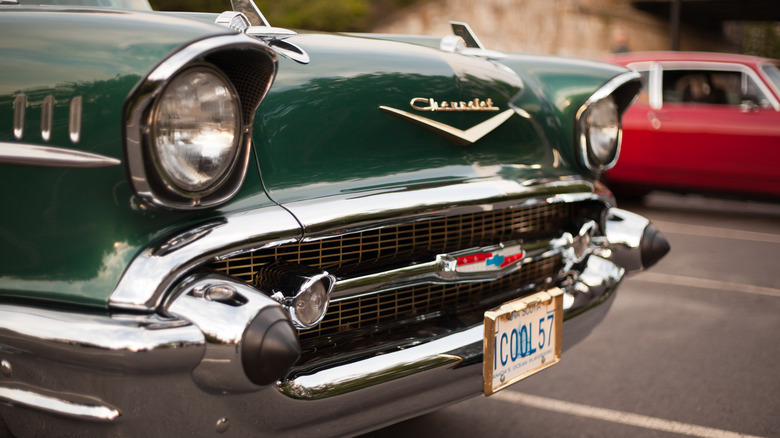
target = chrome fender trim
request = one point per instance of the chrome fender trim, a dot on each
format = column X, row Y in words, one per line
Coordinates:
column 123, row 343
column 129, row 345
column 50, row 156
column 157, row 268
column 28, row 397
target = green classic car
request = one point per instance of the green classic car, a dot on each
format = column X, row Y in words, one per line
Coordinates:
column 214, row 226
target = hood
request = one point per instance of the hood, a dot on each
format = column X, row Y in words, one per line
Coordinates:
column 328, row 127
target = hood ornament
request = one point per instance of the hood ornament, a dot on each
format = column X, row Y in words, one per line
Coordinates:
column 463, row 138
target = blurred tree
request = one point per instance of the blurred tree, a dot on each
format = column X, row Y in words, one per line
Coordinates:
column 325, row 15
column 328, row 15
column 191, row 5
column 761, row 39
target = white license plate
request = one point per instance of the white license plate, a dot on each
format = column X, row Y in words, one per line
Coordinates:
column 522, row 337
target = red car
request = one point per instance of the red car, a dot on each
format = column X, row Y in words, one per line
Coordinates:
column 705, row 122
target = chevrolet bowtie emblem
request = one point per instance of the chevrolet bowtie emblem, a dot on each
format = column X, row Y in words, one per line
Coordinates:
column 464, row 138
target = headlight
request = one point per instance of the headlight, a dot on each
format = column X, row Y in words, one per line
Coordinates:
column 603, row 127
column 195, row 131
column 598, row 131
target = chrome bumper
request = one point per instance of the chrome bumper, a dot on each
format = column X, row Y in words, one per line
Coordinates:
column 136, row 375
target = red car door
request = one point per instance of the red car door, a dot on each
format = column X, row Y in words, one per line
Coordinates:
column 713, row 131
column 713, row 146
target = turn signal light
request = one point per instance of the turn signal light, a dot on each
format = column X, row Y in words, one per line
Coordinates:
column 302, row 290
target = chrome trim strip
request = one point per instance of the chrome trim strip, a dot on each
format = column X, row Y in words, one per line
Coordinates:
column 443, row 270
column 656, row 98
column 20, row 107
column 156, row 268
column 50, row 156
column 74, row 120
column 387, row 367
column 78, row 338
column 33, row 399
column 604, row 91
column 47, row 115
column 343, row 214
column 611, row 86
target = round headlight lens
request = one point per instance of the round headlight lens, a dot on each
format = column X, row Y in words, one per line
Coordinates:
column 196, row 130
column 310, row 306
column 603, row 130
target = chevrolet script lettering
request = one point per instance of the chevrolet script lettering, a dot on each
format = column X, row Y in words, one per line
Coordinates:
column 428, row 104
column 461, row 137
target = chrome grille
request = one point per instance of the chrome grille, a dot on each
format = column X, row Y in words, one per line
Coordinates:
column 413, row 302
column 377, row 320
column 403, row 244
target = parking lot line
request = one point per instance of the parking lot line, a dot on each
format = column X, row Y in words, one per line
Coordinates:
column 705, row 283
column 717, row 232
column 613, row 416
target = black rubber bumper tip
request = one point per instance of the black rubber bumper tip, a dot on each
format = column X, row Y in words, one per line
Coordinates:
column 270, row 347
column 654, row 246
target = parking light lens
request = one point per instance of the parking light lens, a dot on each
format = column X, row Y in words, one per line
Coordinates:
column 310, row 306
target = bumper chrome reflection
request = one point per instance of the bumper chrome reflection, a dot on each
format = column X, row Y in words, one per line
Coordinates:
column 634, row 242
column 594, row 287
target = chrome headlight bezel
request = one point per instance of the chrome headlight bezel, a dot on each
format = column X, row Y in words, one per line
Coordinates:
column 616, row 95
column 231, row 57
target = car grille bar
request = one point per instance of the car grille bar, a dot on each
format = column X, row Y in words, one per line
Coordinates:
column 406, row 244
column 390, row 283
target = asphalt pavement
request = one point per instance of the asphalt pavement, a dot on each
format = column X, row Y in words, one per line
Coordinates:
column 690, row 347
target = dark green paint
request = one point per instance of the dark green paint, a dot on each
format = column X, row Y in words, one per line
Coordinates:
column 320, row 131
column 68, row 234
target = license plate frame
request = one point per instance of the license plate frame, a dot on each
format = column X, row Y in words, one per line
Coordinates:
column 521, row 326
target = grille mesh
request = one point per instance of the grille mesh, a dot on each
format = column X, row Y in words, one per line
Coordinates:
column 416, row 301
column 402, row 244
column 372, row 320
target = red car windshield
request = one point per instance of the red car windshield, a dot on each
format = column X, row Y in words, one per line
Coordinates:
column 773, row 73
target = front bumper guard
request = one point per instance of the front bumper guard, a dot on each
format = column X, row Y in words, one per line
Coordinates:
column 107, row 372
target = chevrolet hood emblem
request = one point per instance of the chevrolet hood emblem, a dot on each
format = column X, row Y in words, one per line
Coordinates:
column 463, row 138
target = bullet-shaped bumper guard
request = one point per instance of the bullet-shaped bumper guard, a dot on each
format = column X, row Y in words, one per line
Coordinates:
column 105, row 375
